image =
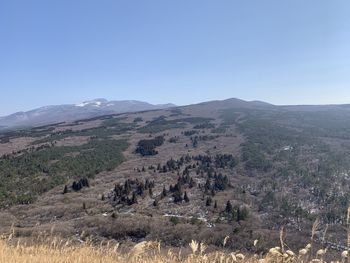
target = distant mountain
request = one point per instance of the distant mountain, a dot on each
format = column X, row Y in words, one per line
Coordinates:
column 70, row 112
column 236, row 103
column 99, row 107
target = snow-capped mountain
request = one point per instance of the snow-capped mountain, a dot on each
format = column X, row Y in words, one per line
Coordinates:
column 70, row 112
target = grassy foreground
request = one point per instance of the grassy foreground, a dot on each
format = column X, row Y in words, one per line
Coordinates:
column 55, row 250
column 146, row 252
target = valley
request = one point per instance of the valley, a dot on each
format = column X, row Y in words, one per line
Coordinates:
column 198, row 172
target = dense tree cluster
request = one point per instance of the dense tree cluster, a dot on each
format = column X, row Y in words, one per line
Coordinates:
column 218, row 161
column 203, row 165
column 148, row 147
column 161, row 124
column 173, row 165
column 78, row 185
column 225, row 160
column 110, row 126
column 128, row 192
column 138, row 119
column 220, row 183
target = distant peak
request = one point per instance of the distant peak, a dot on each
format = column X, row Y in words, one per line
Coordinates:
column 95, row 102
column 100, row 100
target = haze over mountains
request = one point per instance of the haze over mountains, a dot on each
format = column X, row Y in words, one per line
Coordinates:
column 71, row 112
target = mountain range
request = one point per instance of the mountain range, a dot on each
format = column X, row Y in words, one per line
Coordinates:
column 71, row 112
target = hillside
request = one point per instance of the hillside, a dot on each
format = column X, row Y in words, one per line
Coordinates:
column 206, row 171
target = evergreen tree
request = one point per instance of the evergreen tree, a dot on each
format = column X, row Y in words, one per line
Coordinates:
column 192, row 183
column 134, row 198
column 177, row 197
column 209, row 201
column 244, row 213
column 186, row 197
column 238, row 214
column 76, row 186
column 207, row 185
column 65, row 190
column 164, row 193
column 229, row 208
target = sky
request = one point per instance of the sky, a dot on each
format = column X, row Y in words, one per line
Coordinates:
column 179, row 51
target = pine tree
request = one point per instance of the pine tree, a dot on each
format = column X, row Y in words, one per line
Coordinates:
column 229, row 207
column 140, row 189
column 126, row 185
column 164, row 192
column 207, row 185
column 134, row 198
column 84, row 182
column 77, row 186
column 177, row 197
column 65, row 190
column 192, row 183
column 209, row 201
column 186, row 197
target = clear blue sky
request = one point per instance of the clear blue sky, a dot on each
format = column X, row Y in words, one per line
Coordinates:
column 180, row 51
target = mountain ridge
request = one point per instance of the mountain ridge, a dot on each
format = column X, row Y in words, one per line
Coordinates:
column 71, row 112
column 51, row 114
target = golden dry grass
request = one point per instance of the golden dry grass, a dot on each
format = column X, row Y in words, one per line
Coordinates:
column 56, row 251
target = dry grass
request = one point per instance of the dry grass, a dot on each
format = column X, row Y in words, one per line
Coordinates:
column 51, row 249
column 56, row 251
